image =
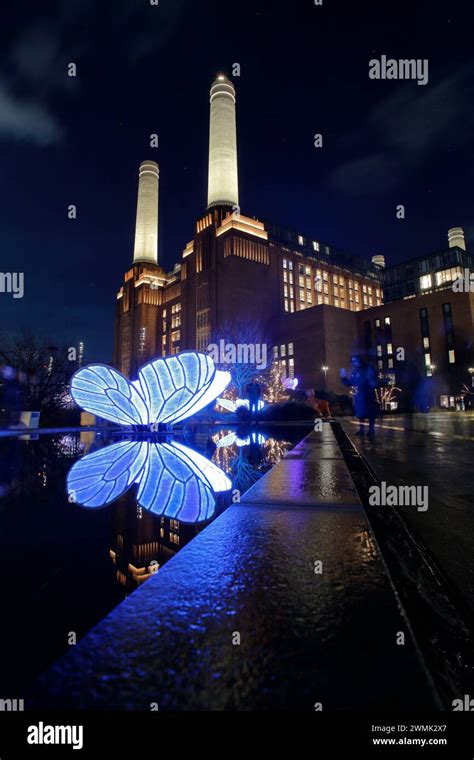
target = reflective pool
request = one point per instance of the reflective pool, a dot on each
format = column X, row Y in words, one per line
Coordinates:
column 87, row 517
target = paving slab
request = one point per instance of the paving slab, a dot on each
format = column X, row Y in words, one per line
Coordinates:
column 302, row 482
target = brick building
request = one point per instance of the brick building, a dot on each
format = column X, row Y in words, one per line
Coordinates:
column 314, row 303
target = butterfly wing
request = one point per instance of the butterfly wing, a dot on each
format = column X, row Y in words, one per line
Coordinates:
column 179, row 483
column 178, row 386
column 101, row 477
column 107, row 393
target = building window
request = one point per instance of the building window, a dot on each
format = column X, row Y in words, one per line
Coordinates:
column 301, row 239
column 425, row 281
column 315, row 245
column 449, row 332
column 426, row 341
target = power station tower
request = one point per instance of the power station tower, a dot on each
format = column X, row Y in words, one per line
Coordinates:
column 223, row 185
column 136, row 320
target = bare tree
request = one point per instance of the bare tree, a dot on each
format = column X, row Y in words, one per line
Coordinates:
column 44, row 369
column 248, row 361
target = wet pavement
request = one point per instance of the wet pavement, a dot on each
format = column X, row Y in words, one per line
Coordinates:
column 282, row 603
column 435, row 450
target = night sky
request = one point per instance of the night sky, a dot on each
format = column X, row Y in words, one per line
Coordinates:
column 143, row 69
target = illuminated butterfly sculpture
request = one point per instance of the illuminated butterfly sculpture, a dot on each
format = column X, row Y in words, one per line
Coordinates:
column 173, row 480
column 168, row 390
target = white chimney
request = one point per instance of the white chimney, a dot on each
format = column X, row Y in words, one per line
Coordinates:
column 146, row 228
column 378, row 260
column 223, row 187
column 456, row 237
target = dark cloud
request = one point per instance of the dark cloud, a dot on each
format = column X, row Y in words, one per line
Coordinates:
column 35, row 72
column 22, row 119
column 406, row 129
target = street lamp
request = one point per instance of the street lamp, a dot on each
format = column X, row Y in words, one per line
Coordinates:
column 325, row 370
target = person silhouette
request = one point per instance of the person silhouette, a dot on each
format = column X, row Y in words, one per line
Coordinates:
column 364, row 379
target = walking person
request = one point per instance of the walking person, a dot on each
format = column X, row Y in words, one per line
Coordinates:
column 364, row 379
column 253, row 395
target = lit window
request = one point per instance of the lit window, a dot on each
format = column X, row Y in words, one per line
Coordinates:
column 389, row 348
column 425, row 281
column 308, row 271
column 356, row 286
column 292, row 306
column 285, row 264
column 326, row 299
column 426, row 342
column 387, row 320
column 286, row 305
column 290, row 348
column 283, row 350
column 275, row 352
column 452, row 356
column 336, row 302
column 428, row 359
column 325, row 276
column 285, row 276
column 301, row 295
column 379, row 350
column 364, row 288
column 390, row 363
column 290, row 265
column 334, row 278
column 301, row 239
column 315, row 245
column 326, row 250
column 380, row 364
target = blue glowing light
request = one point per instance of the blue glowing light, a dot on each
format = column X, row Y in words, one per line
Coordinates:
column 174, row 480
column 167, row 390
column 232, row 406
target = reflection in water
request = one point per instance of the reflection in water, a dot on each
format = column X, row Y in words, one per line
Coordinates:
column 175, row 483
column 177, row 489
column 246, row 454
column 173, row 480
